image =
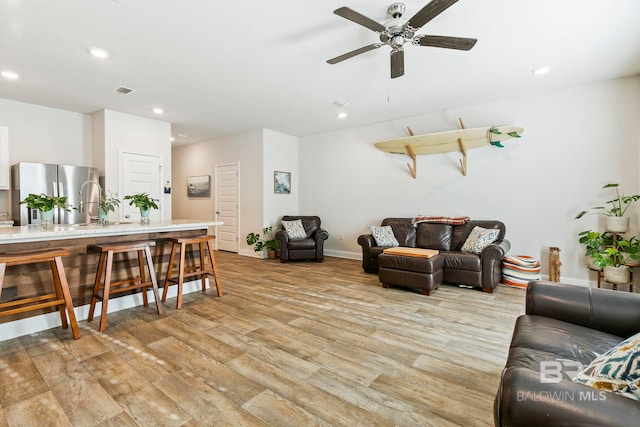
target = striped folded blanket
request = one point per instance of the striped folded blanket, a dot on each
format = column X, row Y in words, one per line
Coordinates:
column 517, row 271
column 451, row 220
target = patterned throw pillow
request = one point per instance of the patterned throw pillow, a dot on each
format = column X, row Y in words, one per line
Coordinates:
column 294, row 229
column 478, row 239
column 617, row 370
column 383, row 235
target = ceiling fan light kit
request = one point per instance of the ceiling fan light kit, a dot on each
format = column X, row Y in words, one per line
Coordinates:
column 397, row 31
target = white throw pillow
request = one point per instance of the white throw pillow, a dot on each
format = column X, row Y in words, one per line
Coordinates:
column 617, row 370
column 383, row 235
column 294, row 229
column 478, row 239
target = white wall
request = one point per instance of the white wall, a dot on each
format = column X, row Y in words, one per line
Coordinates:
column 44, row 135
column 138, row 135
column 575, row 141
column 201, row 159
column 280, row 153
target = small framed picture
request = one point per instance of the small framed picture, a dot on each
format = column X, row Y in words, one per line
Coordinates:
column 281, row 182
column 199, row 186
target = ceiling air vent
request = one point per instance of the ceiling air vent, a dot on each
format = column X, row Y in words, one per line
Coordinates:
column 123, row 90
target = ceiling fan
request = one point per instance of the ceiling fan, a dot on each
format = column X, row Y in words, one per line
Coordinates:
column 397, row 31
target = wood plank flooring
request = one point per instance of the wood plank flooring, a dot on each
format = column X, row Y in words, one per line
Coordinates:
column 293, row 344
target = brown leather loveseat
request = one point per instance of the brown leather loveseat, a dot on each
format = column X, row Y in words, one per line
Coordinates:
column 457, row 267
column 564, row 329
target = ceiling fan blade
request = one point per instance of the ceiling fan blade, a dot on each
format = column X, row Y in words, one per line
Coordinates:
column 430, row 11
column 459, row 43
column 397, row 63
column 358, row 18
column 354, row 53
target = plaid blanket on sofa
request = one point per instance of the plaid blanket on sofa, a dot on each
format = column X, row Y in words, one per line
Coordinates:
column 452, row 220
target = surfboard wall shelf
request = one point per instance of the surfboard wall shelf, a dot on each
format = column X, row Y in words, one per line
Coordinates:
column 460, row 140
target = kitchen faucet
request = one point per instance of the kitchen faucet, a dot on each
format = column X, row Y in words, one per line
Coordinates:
column 82, row 202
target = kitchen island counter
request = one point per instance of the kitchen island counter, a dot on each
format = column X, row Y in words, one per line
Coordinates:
column 81, row 265
column 35, row 233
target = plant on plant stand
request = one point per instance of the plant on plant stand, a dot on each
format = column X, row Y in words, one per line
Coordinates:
column 144, row 202
column 268, row 242
column 613, row 261
column 615, row 210
column 595, row 242
column 108, row 203
column 46, row 205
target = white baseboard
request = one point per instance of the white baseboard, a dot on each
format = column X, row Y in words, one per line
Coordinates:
column 343, row 254
column 251, row 253
column 43, row 322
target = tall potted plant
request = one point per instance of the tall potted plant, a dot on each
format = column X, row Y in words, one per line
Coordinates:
column 46, row 205
column 268, row 242
column 614, row 210
column 144, row 202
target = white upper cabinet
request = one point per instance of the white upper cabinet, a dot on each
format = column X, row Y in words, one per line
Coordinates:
column 4, row 158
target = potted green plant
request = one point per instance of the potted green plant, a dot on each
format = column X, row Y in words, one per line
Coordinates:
column 144, row 202
column 594, row 242
column 614, row 210
column 631, row 252
column 108, row 203
column 267, row 242
column 46, row 204
column 613, row 261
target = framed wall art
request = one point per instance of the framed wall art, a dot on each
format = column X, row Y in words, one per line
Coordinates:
column 281, row 182
column 199, row 186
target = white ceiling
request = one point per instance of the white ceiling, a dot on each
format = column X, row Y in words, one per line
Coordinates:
column 223, row 67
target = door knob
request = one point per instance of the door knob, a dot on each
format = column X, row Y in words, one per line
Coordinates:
column 217, row 212
column 127, row 216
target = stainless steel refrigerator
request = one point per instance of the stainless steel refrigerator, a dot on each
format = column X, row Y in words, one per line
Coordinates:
column 78, row 183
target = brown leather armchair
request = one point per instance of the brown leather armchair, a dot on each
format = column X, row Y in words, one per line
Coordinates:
column 311, row 247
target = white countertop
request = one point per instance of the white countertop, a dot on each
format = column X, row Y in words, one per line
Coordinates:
column 34, row 233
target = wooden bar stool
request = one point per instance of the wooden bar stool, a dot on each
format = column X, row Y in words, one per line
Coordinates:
column 105, row 265
column 183, row 272
column 61, row 298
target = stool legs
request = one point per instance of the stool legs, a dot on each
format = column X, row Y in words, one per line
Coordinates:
column 105, row 265
column 212, row 259
column 60, row 281
column 154, row 282
column 61, row 296
column 201, row 271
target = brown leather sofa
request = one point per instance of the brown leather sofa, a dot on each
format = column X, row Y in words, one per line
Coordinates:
column 462, row 268
column 311, row 247
column 565, row 324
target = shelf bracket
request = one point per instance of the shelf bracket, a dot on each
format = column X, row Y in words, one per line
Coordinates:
column 463, row 160
column 463, row 149
column 412, row 169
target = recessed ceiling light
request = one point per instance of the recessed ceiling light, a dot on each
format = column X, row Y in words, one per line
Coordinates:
column 540, row 71
column 172, row 139
column 9, row 75
column 342, row 115
column 158, row 110
column 99, row 52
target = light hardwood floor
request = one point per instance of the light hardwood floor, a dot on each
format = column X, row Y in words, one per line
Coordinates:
column 293, row 344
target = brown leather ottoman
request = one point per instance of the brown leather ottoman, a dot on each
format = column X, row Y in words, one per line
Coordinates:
column 411, row 271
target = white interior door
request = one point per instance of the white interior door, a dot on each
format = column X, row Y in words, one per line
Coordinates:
column 227, row 206
column 139, row 173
